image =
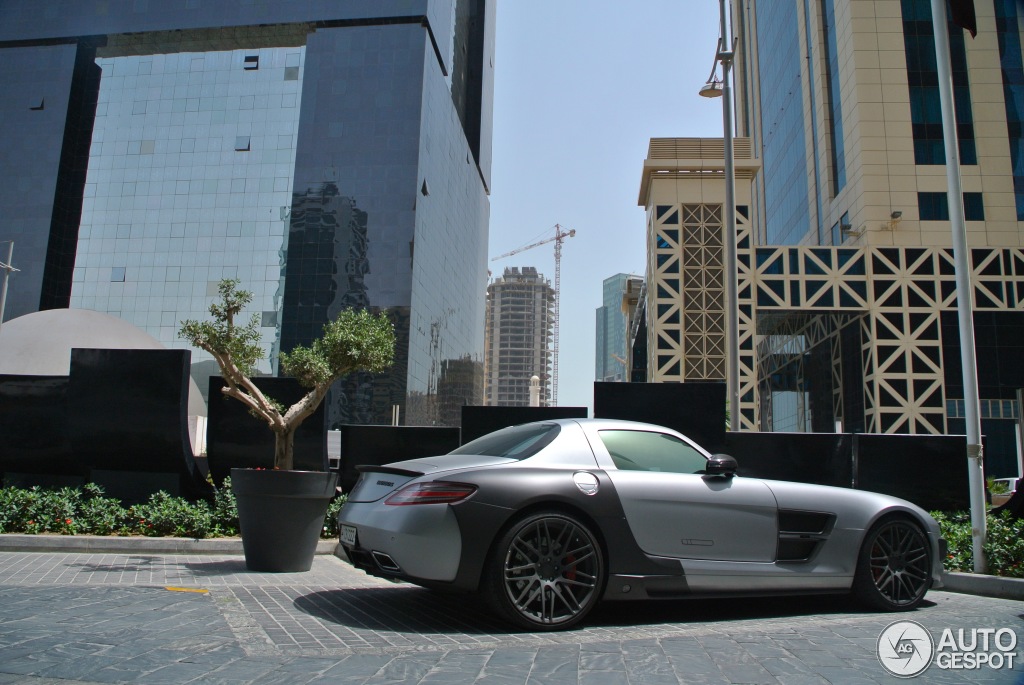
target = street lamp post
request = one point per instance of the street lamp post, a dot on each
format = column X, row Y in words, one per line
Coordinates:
column 6, row 266
column 962, row 271
column 723, row 89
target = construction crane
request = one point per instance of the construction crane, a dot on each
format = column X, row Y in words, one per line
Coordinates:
column 557, row 239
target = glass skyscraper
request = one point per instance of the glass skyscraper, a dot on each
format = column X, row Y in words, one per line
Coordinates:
column 326, row 154
column 610, row 353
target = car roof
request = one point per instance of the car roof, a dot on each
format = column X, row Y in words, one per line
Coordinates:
column 607, row 424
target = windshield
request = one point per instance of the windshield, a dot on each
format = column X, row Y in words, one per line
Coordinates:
column 515, row 442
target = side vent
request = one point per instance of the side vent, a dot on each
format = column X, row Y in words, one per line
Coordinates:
column 801, row 533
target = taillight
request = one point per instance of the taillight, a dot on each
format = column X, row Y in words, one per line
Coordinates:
column 436, row 492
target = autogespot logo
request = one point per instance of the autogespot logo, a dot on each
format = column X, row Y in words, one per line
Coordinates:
column 905, row 649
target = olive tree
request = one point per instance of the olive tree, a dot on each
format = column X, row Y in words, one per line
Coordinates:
column 355, row 340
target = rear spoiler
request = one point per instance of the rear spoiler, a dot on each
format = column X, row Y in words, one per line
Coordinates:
column 365, row 468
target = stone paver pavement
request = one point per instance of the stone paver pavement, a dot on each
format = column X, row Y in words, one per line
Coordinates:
column 105, row 618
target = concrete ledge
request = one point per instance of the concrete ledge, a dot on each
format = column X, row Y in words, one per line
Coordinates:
column 986, row 586
column 112, row 544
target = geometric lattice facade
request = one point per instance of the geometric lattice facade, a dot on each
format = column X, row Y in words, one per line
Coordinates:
column 829, row 336
column 896, row 297
column 793, row 300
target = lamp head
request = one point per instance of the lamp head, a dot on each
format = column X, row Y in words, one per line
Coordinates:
column 711, row 89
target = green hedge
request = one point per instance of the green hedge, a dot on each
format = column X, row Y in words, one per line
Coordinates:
column 87, row 511
column 1004, row 543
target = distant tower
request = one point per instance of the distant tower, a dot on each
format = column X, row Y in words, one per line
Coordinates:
column 518, row 333
column 612, row 323
column 534, row 391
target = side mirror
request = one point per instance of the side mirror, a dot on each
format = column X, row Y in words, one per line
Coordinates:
column 721, row 465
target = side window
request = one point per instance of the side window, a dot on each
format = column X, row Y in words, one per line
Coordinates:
column 647, row 451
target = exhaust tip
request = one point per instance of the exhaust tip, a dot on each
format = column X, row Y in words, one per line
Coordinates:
column 385, row 562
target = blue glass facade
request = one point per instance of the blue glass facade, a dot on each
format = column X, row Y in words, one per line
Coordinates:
column 832, row 90
column 190, row 165
column 782, row 126
column 816, row 152
column 1008, row 34
column 923, row 82
column 327, row 154
column 610, row 339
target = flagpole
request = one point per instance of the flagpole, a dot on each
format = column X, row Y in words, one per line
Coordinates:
column 962, row 268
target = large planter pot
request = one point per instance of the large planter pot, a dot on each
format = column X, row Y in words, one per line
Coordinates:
column 281, row 514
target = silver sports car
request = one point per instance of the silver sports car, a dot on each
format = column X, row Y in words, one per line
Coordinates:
column 546, row 519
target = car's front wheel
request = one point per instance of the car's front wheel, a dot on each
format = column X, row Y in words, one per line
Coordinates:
column 546, row 572
column 894, row 569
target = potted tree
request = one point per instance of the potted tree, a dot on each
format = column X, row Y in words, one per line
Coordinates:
column 281, row 510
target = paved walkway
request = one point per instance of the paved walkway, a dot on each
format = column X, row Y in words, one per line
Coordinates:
column 106, row 618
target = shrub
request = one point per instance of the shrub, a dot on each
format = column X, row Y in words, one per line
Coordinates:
column 99, row 515
column 86, row 511
column 331, row 520
column 225, row 510
column 170, row 516
column 1004, row 543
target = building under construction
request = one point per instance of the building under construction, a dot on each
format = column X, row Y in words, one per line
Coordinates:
column 518, row 335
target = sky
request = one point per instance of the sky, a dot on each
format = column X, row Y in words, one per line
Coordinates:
column 580, row 88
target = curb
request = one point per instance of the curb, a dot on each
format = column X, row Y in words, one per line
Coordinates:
column 20, row 542
column 984, row 585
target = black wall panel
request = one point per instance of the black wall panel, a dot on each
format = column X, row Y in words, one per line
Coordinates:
column 378, row 445
column 477, row 421
column 928, row 470
column 696, row 410
column 821, row 458
column 34, row 436
column 127, row 415
column 237, row 439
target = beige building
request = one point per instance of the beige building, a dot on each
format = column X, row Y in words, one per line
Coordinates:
column 847, row 303
column 878, row 117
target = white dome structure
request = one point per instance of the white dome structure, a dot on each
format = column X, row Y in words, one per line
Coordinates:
column 40, row 344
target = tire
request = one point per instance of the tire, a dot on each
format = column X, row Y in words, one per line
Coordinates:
column 894, row 569
column 546, row 572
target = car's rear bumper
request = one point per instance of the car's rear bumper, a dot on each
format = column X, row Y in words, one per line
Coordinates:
column 418, row 543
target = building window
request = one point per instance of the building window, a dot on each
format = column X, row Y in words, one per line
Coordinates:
column 117, row 274
column 242, row 144
column 252, row 62
column 933, row 207
column 974, row 208
column 922, row 81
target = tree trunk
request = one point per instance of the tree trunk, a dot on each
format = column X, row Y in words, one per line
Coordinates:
column 284, row 448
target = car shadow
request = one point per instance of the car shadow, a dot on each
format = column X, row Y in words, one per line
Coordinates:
column 410, row 609
column 718, row 609
column 402, row 609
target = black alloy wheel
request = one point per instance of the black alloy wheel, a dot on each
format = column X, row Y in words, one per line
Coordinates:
column 894, row 570
column 546, row 572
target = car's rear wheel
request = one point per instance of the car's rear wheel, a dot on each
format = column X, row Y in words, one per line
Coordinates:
column 894, row 569
column 546, row 572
